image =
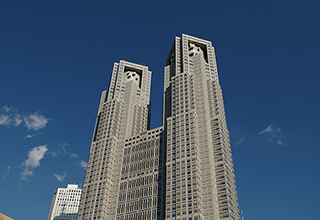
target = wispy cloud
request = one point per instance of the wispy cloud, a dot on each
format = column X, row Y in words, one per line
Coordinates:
column 267, row 130
column 273, row 134
column 54, row 153
column 35, row 121
column 242, row 139
column 71, row 155
column 33, row 161
column 5, row 120
column 6, row 108
column 7, row 171
column 63, row 151
column 17, row 119
column 83, row 164
column 60, row 178
column 29, row 136
column 10, row 116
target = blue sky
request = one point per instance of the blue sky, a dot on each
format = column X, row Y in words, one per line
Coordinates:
column 56, row 58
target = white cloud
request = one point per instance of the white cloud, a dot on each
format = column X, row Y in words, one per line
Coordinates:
column 33, row 161
column 267, row 130
column 83, row 164
column 7, row 171
column 63, row 152
column 273, row 134
column 5, row 120
column 11, row 117
column 6, row 108
column 17, row 120
column 280, row 142
column 71, row 155
column 60, row 178
column 30, row 136
column 35, row 121
column 240, row 141
column 54, row 153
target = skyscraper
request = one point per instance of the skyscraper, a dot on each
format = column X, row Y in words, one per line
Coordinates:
column 181, row 170
column 65, row 203
column 200, row 181
column 123, row 113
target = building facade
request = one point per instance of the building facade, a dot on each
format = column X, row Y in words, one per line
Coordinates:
column 4, row 217
column 65, row 203
column 200, row 180
column 123, row 112
column 181, row 170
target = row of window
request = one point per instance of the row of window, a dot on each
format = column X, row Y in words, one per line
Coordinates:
column 139, row 182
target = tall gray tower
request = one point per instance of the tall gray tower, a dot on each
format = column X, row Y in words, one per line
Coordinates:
column 182, row 170
column 200, row 180
column 123, row 112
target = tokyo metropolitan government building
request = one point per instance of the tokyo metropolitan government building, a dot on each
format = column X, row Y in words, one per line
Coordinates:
column 181, row 170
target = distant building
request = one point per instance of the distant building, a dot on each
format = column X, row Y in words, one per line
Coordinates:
column 4, row 217
column 65, row 203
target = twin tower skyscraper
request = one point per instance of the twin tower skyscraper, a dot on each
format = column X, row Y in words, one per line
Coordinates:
column 181, row 170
